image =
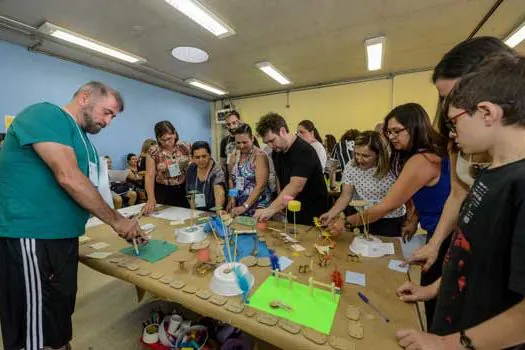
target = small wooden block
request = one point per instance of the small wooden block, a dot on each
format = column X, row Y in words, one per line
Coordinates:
column 177, row 284
column 234, row 306
column 308, row 253
column 143, row 273
column 249, row 261
column 166, row 280
column 218, row 300
column 156, row 275
column 132, row 267
column 200, row 245
column 288, row 326
column 267, row 319
column 340, row 343
column 249, row 312
column 355, row 330
column 314, row 336
column 263, row 262
column 190, row 289
column 262, row 239
column 123, row 264
column 352, row 312
column 204, row 294
column 116, row 260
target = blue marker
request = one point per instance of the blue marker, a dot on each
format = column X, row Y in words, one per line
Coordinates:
column 365, row 299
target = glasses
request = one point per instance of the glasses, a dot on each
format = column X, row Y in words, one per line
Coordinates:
column 394, row 132
column 450, row 123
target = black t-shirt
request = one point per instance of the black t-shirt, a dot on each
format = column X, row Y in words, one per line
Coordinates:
column 484, row 269
column 301, row 160
column 227, row 146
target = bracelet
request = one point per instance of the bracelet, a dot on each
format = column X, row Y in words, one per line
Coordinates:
column 465, row 341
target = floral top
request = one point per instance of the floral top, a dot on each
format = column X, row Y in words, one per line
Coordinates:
column 178, row 161
column 243, row 178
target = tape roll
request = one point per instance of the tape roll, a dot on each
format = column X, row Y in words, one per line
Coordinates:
column 151, row 334
column 294, row 206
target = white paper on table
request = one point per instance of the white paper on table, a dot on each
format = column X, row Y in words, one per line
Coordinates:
column 395, row 265
column 387, row 248
column 99, row 245
column 288, row 238
column 355, row 278
column 284, row 262
column 99, row 255
column 297, row 247
column 127, row 212
column 176, row 213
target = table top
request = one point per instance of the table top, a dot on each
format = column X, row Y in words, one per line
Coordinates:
column 381, row 284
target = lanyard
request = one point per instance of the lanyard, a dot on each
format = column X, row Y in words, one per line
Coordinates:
column 83, row 140
column 207, row 175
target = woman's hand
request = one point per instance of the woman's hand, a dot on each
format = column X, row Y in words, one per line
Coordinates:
column 231, row 204
column 337, row 227
column 150, row 206
column 327, row 218
column 238, row 211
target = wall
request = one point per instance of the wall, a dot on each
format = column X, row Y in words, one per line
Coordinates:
column 335, row 109
column 29, row 78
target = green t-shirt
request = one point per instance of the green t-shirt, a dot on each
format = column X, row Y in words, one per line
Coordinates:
column 32, row 203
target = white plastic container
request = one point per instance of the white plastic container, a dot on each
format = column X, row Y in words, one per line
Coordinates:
column 224, row 282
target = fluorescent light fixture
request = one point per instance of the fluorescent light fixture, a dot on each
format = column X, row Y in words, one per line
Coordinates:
column 205, row 86
column 273, row 73
column 77, row 39
column 517, row 36
column 374, row 52
column 202, row 16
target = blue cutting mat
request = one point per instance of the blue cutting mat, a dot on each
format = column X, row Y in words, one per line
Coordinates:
column 245, row 245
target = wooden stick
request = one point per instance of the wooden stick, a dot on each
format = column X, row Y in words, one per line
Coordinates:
column 311, row 286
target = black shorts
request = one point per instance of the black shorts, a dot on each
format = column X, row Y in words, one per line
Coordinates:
column 38, row 286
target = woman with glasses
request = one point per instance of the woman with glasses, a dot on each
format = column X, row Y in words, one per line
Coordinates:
column 166, row 166
column 308, row 132
column 206, row 178
column 420, row 162
column 368, row 177
column 464, row 58
column 249, row 173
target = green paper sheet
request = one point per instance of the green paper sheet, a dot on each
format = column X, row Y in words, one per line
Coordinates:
column 152, row 252
column 315, row 311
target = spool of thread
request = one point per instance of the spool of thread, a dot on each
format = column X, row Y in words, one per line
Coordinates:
column 287, row 199
column 233, row 192
column 151, row 334
column 294, row 206
column 262, row 225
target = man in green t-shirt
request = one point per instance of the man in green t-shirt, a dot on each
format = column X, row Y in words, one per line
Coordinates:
column 49, row 173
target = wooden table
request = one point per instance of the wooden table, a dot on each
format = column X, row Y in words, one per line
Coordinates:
column 381, row 284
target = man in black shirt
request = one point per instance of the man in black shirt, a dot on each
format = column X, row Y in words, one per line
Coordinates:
column 298, row 170
column 480, row 296
column 233, row 120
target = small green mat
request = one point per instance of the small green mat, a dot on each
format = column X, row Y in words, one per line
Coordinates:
column 317, row 311
column 246, row 220
column 152, row 252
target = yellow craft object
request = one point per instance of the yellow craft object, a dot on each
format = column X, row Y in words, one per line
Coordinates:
column 294, row 206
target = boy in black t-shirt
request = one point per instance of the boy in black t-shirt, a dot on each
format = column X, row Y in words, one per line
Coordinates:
column 480, row 297
column 298, row 170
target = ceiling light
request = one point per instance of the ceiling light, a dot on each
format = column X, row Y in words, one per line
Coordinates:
column 189, row 54
column 77, row 39
column 374, row 52
column 273, row 72
column 205, row 86
column 517, row 36
column 202, row 16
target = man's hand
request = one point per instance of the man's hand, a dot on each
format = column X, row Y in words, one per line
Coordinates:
column 264, row 214
column 238, row 211
column 337, row 227
column 425, row 256
column 410, row 292
column 411, row 339
column 326, row 218
column 409, row 229
column 129, row 229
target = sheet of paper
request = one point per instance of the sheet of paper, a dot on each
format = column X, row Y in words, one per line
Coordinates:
column 355, row 278
column 99, row 255
column 297, row 247
column 175, row 213
column 127, row 212
column 99, row 245
column 83, row 239
column 288, row 238
column 395, row 265
column 384, row 248
column 284, row 262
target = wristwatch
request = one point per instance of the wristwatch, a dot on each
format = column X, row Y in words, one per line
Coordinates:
column 465, row 341
column 246, row 206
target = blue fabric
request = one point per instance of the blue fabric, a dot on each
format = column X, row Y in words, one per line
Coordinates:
column 429, row 201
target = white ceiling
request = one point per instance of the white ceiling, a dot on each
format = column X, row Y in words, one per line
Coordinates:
column 311, row 41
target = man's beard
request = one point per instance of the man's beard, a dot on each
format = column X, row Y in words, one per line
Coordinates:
column 90, row 125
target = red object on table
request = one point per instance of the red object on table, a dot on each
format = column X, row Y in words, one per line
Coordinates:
column 337, row 278
column 262, row 225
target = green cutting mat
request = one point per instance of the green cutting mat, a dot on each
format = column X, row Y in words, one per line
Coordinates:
column 315, row 311
column 152, row 252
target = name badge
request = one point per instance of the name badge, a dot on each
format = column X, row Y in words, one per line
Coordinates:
column 93, row 173
column 174, row 170
column 239, row 182
column 200, row 200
